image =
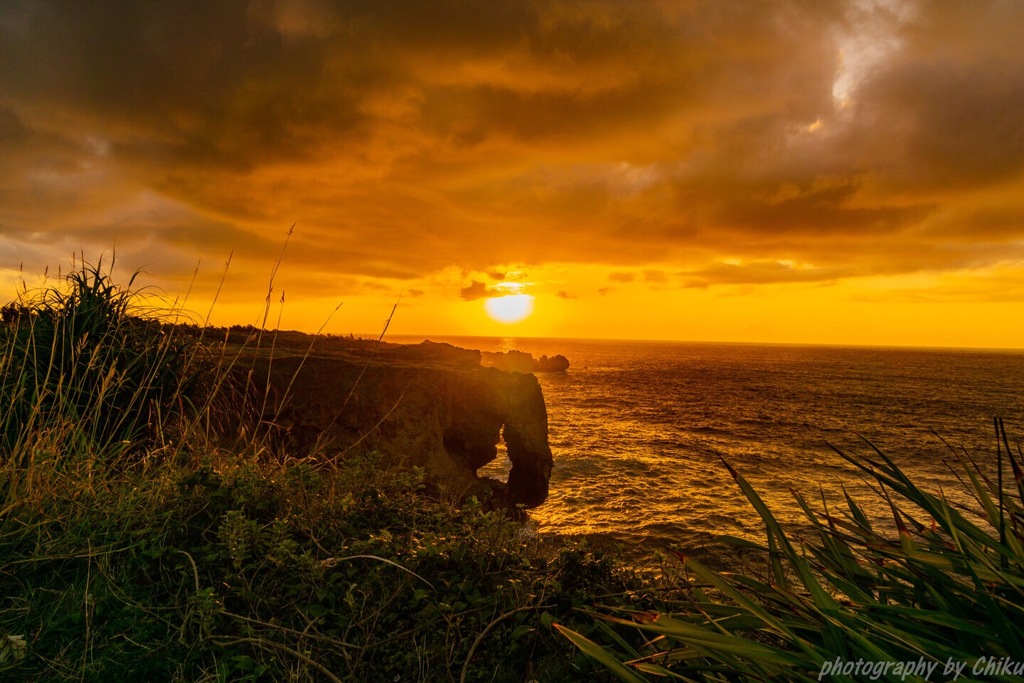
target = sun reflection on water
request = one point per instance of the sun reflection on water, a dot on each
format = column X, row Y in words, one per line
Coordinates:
column 639, row 430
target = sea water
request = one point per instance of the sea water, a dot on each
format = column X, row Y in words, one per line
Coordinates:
column 641, row 431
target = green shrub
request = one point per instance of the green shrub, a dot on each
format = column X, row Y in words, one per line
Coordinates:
column 236, row 570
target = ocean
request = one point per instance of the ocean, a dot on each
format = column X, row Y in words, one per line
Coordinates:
column 640, row 430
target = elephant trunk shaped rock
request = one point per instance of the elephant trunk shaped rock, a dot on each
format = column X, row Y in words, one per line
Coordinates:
column 447, row 420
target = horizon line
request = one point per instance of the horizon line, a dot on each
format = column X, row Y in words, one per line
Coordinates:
column 923, row 347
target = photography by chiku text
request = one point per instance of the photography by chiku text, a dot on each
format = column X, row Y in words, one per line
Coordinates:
column 920, row 669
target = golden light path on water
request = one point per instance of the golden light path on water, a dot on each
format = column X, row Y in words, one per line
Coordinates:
column 640, row 430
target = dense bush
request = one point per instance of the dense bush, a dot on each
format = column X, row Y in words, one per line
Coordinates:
column 238, row 571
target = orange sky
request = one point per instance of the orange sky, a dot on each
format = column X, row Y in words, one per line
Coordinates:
column 843, row 172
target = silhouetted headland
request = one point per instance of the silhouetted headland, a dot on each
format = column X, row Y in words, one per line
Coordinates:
column 430, row 405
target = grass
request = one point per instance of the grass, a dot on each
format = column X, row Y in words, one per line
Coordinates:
column 86, row 368
column 134, row 545
column 237, row 572
column 944, row 586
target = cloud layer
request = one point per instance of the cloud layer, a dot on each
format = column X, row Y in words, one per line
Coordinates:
column 709, row 142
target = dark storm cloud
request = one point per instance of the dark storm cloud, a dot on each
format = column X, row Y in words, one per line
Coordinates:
column 758, row 272
column 475, row 290
column 817, row 215
column 946, row 125
column 404, row 138
column 13, row 133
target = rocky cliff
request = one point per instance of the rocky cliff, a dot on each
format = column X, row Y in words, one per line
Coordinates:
column 428, row 406
column 520, row 361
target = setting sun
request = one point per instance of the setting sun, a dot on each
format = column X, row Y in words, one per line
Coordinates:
column 510, row 308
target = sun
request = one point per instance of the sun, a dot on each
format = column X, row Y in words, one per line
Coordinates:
column 510, row 308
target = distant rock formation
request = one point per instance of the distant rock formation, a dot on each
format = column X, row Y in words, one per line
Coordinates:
column 434, row 353
column 521, row 361
column 428, row 405
column 557, row 363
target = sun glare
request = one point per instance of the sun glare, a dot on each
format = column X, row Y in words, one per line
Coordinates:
column 510, row 308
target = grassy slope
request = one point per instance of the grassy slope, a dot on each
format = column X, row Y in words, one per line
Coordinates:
column 234, row 571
